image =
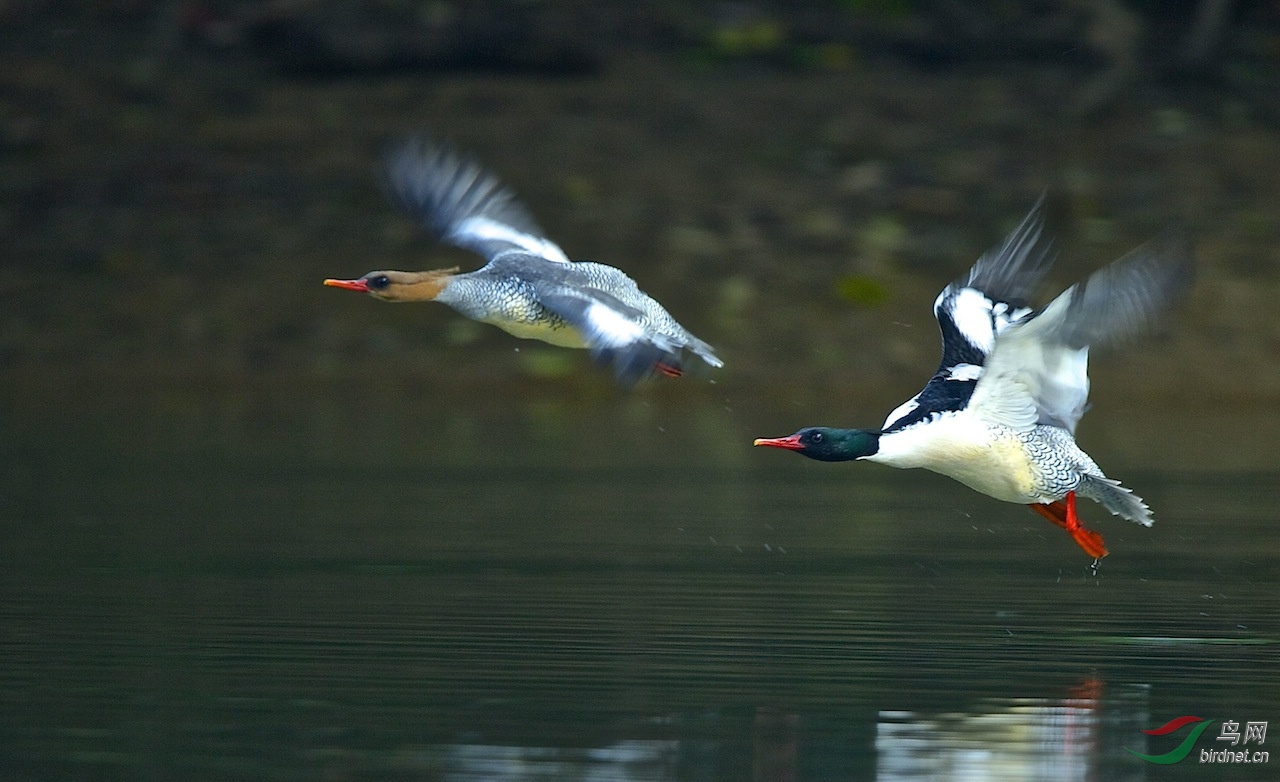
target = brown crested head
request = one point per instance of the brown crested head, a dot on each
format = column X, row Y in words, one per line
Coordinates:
column 399, row 286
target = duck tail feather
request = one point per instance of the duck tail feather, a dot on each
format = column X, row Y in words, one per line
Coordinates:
column 1121, row 501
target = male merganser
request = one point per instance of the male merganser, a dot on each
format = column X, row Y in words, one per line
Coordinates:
column 1000, row 413
column 529, row 287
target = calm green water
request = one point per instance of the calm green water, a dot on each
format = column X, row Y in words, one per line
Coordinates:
column 201, row 590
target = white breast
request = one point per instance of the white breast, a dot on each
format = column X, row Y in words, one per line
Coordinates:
column 543, row 330
column 989, row 459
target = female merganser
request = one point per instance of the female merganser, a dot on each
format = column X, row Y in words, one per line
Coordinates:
column 529, row 287
column 1000, row 413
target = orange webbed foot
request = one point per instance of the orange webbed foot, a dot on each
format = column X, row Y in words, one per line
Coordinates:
column 1063, row 513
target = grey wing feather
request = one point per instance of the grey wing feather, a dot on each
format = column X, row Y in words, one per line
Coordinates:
column 1011, row 271
column 462, row 202
column 610, row 330
column 1038, row 372
column 974, row 310
column 1118, row 301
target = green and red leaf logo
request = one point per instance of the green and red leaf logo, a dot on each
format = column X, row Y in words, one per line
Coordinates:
column 1182, row 750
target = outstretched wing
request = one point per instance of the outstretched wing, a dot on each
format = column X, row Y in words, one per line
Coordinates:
column 1038, row 372
column 613, row 332
column 462, row 202
column 973, row 310
column 1119, row 300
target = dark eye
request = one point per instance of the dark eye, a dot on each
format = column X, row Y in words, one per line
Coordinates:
column 378, row 282
column 815, row 437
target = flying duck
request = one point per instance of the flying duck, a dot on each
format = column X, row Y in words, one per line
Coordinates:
column 529, row 287
column 1000, row 413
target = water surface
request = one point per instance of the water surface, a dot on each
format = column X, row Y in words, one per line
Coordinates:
column 206, row 590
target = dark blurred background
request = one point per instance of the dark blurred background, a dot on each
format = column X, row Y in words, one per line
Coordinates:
column 795, row 181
